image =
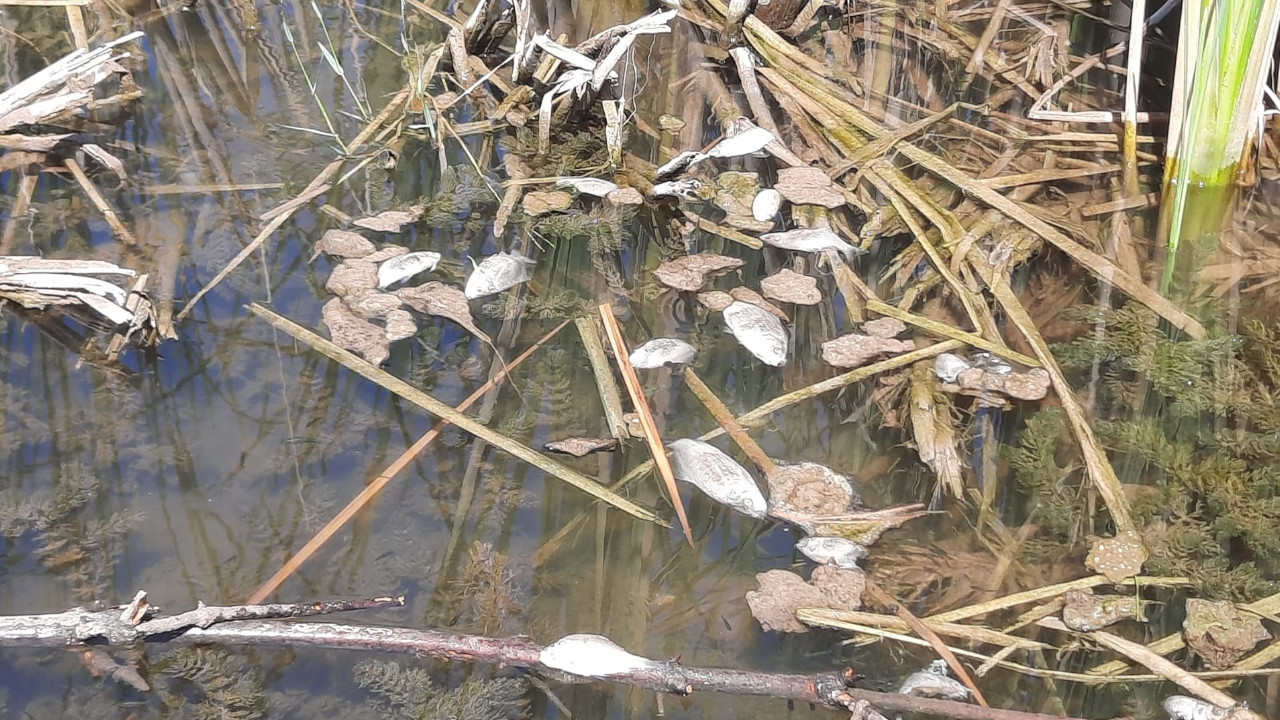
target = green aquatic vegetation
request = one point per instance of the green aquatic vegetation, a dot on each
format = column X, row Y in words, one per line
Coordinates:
column 572, row 152
column 217, row 684
column 603, row 226
column 1192, row 427
column 460, row 188
column 398, row 692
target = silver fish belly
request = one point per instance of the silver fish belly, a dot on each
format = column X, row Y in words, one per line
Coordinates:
column 704, row 466
column 497, row 273
column 811, row 240
column 660, row 352
column 759, row 332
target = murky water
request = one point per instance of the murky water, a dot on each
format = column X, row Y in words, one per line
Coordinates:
column 195, row 473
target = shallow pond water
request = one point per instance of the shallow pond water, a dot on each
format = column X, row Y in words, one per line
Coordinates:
column 196, row 472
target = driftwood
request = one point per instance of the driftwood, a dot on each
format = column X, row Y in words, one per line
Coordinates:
column 251, row 625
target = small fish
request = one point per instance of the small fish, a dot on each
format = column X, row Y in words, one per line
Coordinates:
column 707, row 468
column 497, row 273
column 588, row 185
column 811, row 240
column 759, row 331
column 592, row 656
column 832, row 550
column 403, row 267
column 934, row 682
column 660, row 352
column 746, row 142
column 765, row 205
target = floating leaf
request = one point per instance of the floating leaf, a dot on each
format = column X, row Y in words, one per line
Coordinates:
column 811, row 240
column 1118, row 557
column 373, row 305
column 400, row 325
column 660, row 352
column 436, row 298
column 542, row 202
column 391, row 221
column 808, row 186
column 1030, row 385
column 387, row 252
column 497, row 273
column 854, row 350
column 1220, row 633
column 760, row 333
column 343, row 244
column 624, row 196
column 716, row 300
column 1083, row 611
column 352, row 277
column 790, row 286
column 706, row 467
column 580, row 446
column 399, row 269
column 781, row 593
column 885, row 327
column 832, row 551
column 691, row 272
column 811, row 490
column 354, row 333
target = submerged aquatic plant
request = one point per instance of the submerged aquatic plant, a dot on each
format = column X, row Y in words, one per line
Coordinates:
column 413, row 693
column 1198, row 423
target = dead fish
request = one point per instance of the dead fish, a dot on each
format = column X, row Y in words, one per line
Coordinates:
column 759, row 332
column 706, row 467
column 948, row 366
column 934, row 682
column 744, row 143
column 765, row 205
column 677, row 188
column 403, row 267
column 580, row 446
column 836, row 551
column 587, row 185
column 678, row 164
column 660, row 352
column 811, row 240
column 497, row 273
column 592, row 656
column 1181, row 707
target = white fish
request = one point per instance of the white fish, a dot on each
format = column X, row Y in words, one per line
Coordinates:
column 811, row 240
column 935, row 683
column 591, row 656
column 677, row 188
column 497, row 273
column 1181, row 707
column 837, row 551
column 588, row 185
column 716, row 474
column 403, row 267
column 948, row 366
column 759, row 332
column 744, row 143
column 660, row 352
column 679, row 164
column 765, row 205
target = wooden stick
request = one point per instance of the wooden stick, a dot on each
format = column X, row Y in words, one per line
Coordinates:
column 373, row 488
column 99, row 202
column 632, row 381
column 610, row 398
column 729, row 423
column 439, row 409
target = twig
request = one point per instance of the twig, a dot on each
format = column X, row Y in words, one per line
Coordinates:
column 610, row 398
column 439, row 409
column 852, row 619
column 632, row 381
column 371, row 490
column 1049, row 591
column 99, row 202
column 728, row 423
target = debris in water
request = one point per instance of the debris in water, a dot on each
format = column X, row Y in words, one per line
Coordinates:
column 391, row 221
column 591, row 656
column 678, row 164
column 436, row 298
column 497, row 273
column 734, row 193
column 885, row 327
column 747, row 295
column 1220, row 633
column 354, row 333
column 715, row 300
column 934, row 682
column 64, row 286
column 580, row 446
column 751, row 140
column 352, row 277
column 343, row 244
column 588, row 185
column 854, row 350
column 400, row 325
column 1083, row 611
column 1030, row 385
column 403, row 267
column 670, row 123
column 678, row 188
column 624, row 196
column 948, row 366
column 542, row 202
column 766, row 204
column 691, row 272
column 808, row 489
column 789, row 286
column 758, row 331
column 660, row 352
column 808, row 186
column 387, row 252
column 781, row 593
column 1181, row 707
column 716, row 474
column 832, row 551
column 811, row 240
column 1119, row 557
column 991, row 363
column 373, row 305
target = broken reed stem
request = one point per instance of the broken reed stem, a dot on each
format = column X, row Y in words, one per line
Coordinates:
column 845, row 619
column 99, row 202
column 287, row 209
column 728, row 423
column 944, row 330
column 1050, row 591
column 610, row 398
column 371, row 490
column 636, row 391
column 412, row 394
column 927, row 633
